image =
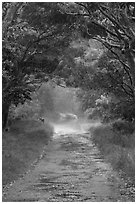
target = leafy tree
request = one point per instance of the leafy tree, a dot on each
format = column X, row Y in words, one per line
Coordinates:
column 117, row 23
column 34, row 35
column 79, row 63
column 113, row 25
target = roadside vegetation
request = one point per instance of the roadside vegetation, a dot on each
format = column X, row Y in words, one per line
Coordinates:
column 115, row 137
column 22, row 146
column 116, row 142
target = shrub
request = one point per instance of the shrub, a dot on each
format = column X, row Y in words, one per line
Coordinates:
column 124, row 127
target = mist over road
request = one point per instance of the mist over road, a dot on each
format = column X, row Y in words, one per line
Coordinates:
column 71, row 169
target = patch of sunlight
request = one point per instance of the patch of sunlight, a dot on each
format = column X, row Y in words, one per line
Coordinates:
column 73, row 126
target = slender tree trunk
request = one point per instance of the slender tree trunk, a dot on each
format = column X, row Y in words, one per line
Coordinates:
column 5, row 112
column 131, row 62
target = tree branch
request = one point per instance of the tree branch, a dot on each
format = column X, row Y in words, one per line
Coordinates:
column 125, row 66
column 80, row 4
column 128, row 93
column 106, row 29
column 113, row 21
column 128, row 87
column 36, row 41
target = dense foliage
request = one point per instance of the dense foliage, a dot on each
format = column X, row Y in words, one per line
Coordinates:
column 90, row 45
column 112, row 70
column 33, row 37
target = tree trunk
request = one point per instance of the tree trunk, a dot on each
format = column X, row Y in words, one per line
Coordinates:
column 5, row 112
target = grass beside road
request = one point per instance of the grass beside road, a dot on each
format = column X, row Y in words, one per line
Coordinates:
column 22, row 145
column 117, row 145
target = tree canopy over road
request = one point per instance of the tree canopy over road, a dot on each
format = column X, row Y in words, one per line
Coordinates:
column 87, row 45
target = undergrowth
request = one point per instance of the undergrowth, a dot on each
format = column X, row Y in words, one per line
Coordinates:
column 116, row 141
column 22, row 145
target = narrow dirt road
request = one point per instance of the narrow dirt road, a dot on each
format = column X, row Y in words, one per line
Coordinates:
column 71, row 170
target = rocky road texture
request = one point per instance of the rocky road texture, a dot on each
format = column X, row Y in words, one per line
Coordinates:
column 71, row 170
